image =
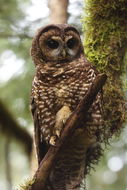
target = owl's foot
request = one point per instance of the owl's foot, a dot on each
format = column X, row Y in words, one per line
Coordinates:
column 58, row 132
column 52, row 140
column 61, row 118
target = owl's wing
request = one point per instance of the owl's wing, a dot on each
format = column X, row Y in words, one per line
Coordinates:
column 41, row 147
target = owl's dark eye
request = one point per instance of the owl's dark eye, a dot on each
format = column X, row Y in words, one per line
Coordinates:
column 53, row 44
column 71, row 43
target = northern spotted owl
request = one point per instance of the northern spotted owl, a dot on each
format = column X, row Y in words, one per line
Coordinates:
column 63, row 76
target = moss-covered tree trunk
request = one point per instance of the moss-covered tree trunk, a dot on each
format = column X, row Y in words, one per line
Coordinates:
column 105, row 42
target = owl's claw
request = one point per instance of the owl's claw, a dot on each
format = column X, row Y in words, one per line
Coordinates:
column 61, row 118
column 52, row 140
column 58, row 132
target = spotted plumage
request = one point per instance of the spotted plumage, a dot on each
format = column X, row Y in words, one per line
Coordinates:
column 63, row 77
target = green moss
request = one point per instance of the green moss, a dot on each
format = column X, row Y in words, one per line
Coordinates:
column 27, row 185
column 105, row 42
column 105, row 28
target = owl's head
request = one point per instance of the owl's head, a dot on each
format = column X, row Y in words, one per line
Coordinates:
column 56, row 43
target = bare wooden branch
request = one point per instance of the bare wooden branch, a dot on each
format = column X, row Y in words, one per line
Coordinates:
column 47, row 163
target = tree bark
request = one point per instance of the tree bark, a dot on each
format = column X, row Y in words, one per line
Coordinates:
column 58, row 11
column 47, row 163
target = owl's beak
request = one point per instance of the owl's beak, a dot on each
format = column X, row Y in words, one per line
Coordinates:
column 64, row 53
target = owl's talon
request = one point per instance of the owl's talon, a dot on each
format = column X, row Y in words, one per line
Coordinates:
column 58, row 133
column 52, row 140
column 65, row 119
column 61, row 118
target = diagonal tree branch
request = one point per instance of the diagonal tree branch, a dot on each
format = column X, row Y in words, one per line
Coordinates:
column 47, row 163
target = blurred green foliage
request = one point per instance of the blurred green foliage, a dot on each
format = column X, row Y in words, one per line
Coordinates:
column 15, row 92
column 15, row 41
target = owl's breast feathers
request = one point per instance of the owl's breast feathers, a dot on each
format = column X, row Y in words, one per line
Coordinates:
column 51, row 90
column 57, row 87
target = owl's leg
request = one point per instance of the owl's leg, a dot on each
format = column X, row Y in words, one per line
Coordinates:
column 61, row 118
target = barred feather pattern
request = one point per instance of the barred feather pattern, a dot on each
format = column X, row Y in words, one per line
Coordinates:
column 51, row 91
column 68, row 89
column 62, row 82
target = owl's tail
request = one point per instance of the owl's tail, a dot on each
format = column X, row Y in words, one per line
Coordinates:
column 69, row 168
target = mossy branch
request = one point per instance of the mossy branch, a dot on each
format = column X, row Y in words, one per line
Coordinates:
column 48, row 162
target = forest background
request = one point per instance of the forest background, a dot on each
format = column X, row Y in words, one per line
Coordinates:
column 19, row 21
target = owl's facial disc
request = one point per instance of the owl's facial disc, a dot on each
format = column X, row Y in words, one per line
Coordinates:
column 57, row 47
column 54, row 45
column 72, row 45
column 62, row 49
column 53, row 42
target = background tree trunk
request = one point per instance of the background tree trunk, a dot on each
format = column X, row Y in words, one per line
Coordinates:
column 58, row 11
